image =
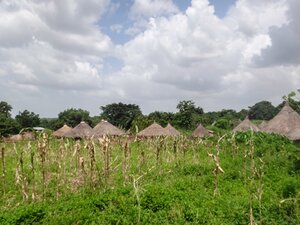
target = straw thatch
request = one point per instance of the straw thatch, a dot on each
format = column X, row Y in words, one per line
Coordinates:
column 82, row 130
column 171, row 131
column 286, row 122
column 62, row 131
column 154, row 130
column 294, row 135
column 15, row 138
column 201, row 131
column 106, row 128
column 29, row 136
column 262, row 126
column 245, row 125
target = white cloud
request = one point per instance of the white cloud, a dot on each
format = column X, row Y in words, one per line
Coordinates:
column 152, row 8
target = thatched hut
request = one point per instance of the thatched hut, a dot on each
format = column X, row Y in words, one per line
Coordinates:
column 106, row 128
column 246, row 125
column 82, row 130
column 154, row 130
column 62, row 131
column 171, row 131
column 28, row 136
column 201, row 131
column 15, row 138
column 286, row 122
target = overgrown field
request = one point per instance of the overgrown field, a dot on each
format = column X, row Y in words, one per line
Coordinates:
column 234, row 179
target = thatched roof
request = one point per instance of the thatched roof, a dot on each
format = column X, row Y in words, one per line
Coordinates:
column 245, row 125
column 171, row 131
column 286, row 122
column 82, row 130
column 105, row 127
column 153, row 130
column 262, row 126
column 295, row 134
column 62, row 131
column 15, row 138
column 201, row 131
column 28, row 136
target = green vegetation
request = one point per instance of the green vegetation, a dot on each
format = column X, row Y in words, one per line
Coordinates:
column 158, row 181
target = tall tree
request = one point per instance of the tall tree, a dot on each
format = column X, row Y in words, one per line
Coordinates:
column 5, row 109
column 263, row 110
column 73, row 117
column 7, row 124
column 120, row 114
column 188, row 115
column 28, row 119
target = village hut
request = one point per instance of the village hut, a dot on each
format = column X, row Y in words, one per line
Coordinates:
column 106, row 128
column 246, row 125
column 154, row 130
column 286, row 122
column 171, row 131
column 15, row 138
column 201, row 131
column 28, row 136
column 62, row 131
column 82, row 130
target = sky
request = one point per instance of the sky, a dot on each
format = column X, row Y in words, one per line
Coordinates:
column 221, row 54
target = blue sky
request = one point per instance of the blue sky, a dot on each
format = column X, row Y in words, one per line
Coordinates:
column 222, row 54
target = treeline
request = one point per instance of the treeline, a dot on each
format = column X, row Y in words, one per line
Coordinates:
column 130, row 116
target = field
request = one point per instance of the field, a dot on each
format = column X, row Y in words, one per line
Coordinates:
column 247, row 178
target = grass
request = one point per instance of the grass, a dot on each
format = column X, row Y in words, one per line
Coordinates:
column 152, row 182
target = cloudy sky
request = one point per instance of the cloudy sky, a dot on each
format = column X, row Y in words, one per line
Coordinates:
column 221, row 54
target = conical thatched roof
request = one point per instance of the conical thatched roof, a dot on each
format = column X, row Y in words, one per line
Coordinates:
column 171, row 131
column 245, row 125
column 15, row 138
column 62, row 131
column 28, row 136
column 105, row 127
column 82, row 130
column 153, row 130
column 201, row 131
column 286, row 122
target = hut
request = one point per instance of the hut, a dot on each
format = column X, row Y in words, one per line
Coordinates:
column 28, row 136
column 201, row 131
column 62, row 131
column 106, row 128
column 154, row 130
column 15, row 138
column 245, row 125
column 82, row 130
column 286, row 122
column 171, row 131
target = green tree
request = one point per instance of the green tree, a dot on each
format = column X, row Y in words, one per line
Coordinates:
column 28, row 119
column 73, row 117
column 163, row 118
column 5, row 109
column 293, row 101
column 188, row 115
column 120, row 114
column 263, row 110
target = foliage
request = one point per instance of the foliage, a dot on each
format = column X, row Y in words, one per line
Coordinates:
column 120, row 114
column 5, row 109
column 72, row 117
column 28, row 119
column 293, row 101
column 163, row 118
column 174, row 185
column 7, row 124
column 263, row 110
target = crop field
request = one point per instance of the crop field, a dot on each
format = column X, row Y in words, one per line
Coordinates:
column 243, row 178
